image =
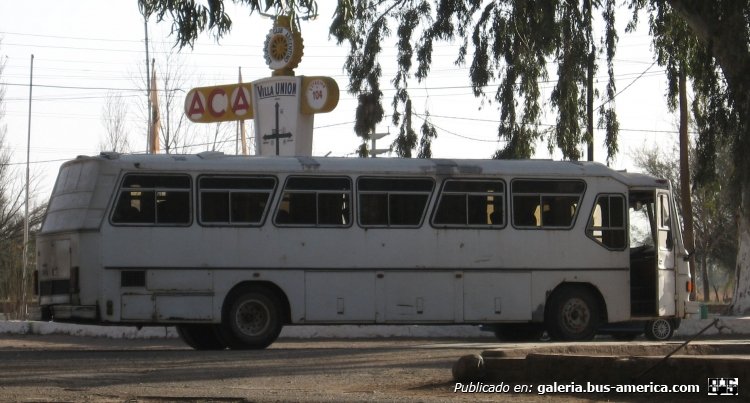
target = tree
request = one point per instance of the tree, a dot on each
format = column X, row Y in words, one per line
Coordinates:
column 511, row 41
column 221, row 136
column 722, row 87
column 190, row 18
column 12, row 224
column 114, row 120
column 713, row 209
column 676, row 47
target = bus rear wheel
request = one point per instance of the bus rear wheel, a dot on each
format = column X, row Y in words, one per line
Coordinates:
column 519, row 332
column 251, row 319
column 201, row 337
column 572, row 314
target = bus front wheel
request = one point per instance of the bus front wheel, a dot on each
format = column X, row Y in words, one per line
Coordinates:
column 251, row 319
column 572, row 314
column 659, row 329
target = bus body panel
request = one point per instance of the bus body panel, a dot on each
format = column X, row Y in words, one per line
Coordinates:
column 183, row 273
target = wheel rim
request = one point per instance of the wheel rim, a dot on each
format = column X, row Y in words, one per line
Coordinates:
column 576, row 315
column 661, row 329
column 252, row 318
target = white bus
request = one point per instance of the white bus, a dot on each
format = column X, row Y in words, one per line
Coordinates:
column 229, row 249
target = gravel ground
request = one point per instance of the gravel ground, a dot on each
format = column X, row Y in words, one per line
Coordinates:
column 71, row 368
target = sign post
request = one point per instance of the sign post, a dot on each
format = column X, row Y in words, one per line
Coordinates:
column 283, row 104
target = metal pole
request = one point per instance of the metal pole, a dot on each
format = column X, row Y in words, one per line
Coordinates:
column 237, row 132
column 148, row 89
column 26, row 203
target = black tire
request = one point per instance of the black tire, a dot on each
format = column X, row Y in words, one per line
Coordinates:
column 201, row 337
column 519, row 332
column 572, row 314
column 659, row 329
column 252, row 319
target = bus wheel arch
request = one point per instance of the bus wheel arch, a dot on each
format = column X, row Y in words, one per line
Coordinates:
column 253, row 314
column 574, row 311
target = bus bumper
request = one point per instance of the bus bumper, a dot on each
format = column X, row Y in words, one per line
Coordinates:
column 692, row 307
column 63, row 313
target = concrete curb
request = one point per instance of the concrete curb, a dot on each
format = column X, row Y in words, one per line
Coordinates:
column 113, row 332
column 607, row 363
column 727, row 326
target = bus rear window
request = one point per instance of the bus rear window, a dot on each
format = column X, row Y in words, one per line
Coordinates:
column 153, row 200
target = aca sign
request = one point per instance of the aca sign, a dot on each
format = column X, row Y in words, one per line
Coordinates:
column 220, row 103
column 235, row 101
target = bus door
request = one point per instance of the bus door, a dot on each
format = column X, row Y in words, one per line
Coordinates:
column 652, row 262
column 665, row 262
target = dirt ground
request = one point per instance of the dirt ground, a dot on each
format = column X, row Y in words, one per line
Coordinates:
column 68, row 368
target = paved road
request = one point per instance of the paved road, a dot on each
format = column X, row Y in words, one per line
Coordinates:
column 67, row 368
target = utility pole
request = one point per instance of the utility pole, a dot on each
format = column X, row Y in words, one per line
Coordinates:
column 375, row 151
column 590, row 91
column 25, row 260
column 148, row 88
column 685, row 196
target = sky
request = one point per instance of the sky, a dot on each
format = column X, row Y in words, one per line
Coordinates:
column 85, row 49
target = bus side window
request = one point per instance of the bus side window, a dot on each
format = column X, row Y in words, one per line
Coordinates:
column 153, row 199
column 321, row 201
column 132, row 208
column 546, row 204
column 471, row 203
column 526, row 211
column 606, row 224
column 234, row 200
column 373, row 209
column 172, row 207
column 393, row 202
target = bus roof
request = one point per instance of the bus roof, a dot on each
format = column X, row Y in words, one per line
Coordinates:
column 220, row 162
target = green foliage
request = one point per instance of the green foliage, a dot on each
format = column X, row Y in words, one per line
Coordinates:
column 717, row 62
column 678, row 49
column 505, row 43
column 425, row 142
column 190, row 18
column 714, row 206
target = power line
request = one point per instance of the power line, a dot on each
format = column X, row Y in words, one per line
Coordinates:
column 454, row 133
column 626, row 87
column 73, row 87
column 140, row 42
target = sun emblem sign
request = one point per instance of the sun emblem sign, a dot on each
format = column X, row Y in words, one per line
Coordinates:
column 282, row 48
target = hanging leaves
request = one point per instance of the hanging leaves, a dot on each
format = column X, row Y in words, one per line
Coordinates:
column 506, row 44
